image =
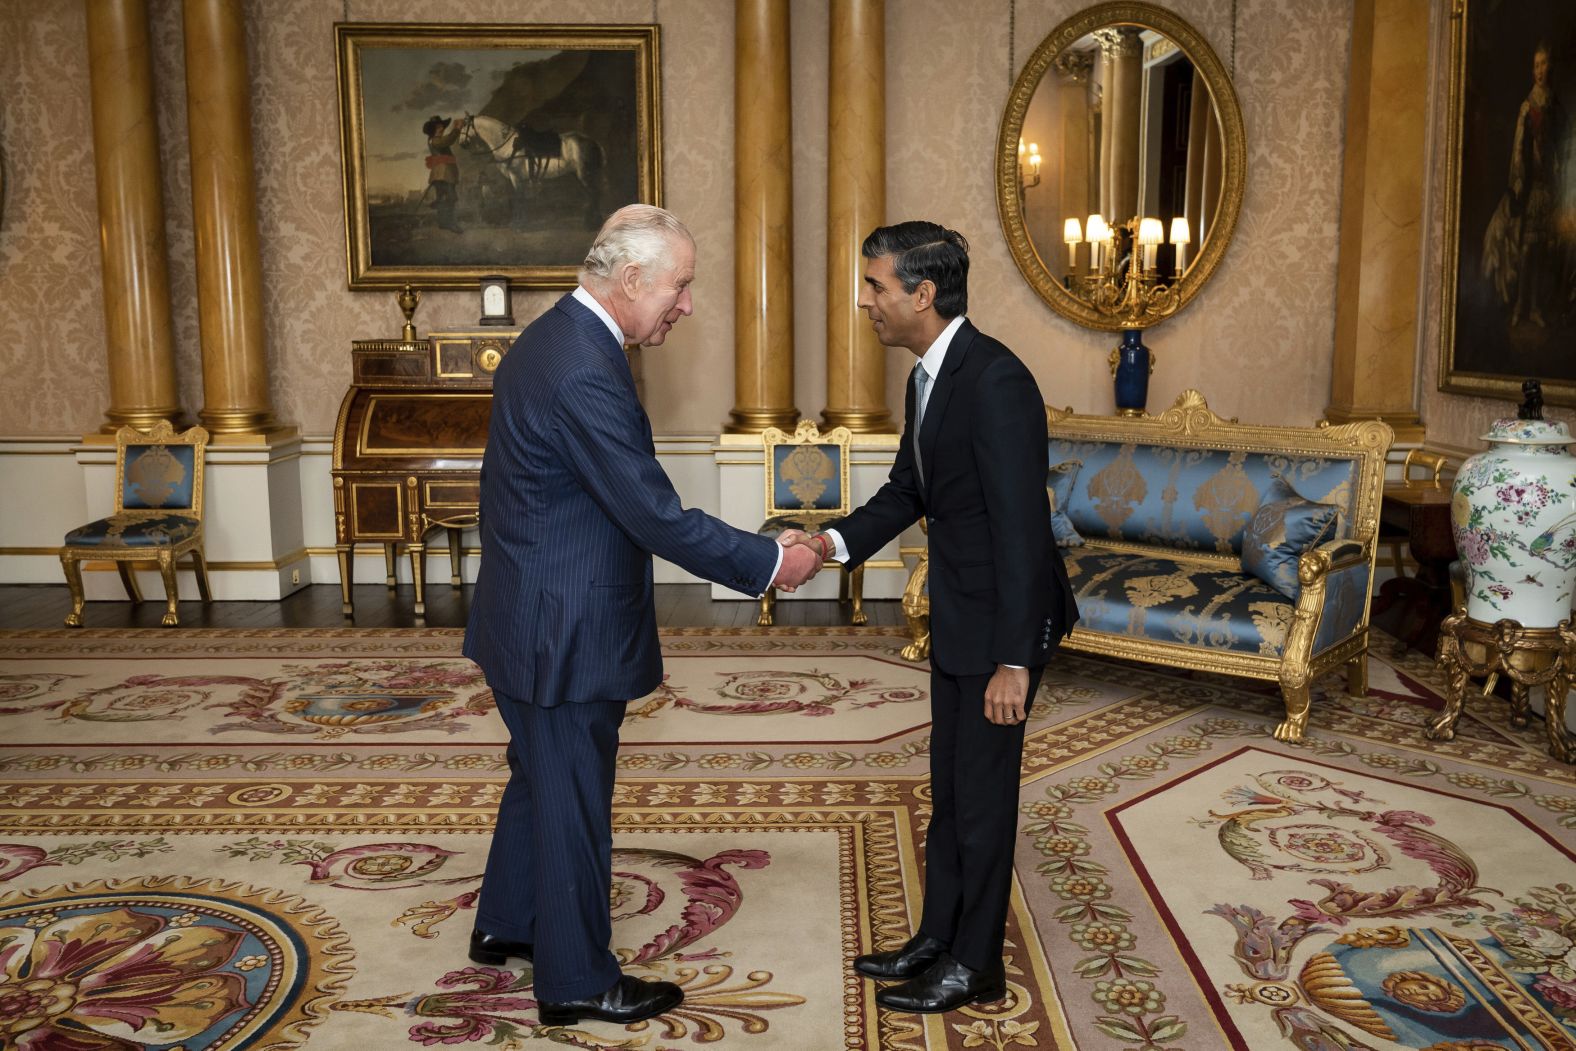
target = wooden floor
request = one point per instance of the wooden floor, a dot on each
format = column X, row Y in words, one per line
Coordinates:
column 678, row 605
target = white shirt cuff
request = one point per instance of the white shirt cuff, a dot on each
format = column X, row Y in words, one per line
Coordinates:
column 775, row 570
column 839, row 549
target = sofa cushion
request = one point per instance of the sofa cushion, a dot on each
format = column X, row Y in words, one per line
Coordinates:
column 1187, row 602
column 1191, row 498
column 1059, row 487
column 1284, row 526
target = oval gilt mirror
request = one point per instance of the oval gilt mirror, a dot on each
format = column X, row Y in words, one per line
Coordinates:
column 1122, row 138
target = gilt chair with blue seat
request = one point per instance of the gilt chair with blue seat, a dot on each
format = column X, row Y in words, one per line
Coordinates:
column 807, row 487
column 158, row 516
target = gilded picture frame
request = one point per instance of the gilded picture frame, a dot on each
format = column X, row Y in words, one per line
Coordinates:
column 1508, row 296
column 470, row 150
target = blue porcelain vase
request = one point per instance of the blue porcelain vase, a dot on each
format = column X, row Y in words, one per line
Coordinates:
column 1132, row 373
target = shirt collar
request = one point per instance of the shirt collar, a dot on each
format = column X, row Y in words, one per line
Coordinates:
column 587, row 300
column 933, row 357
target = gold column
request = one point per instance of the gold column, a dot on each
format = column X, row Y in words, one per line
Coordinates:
column 142, row 387
column 1381, row 236
column 762, row 221
column 855, row 205
column 224, row 211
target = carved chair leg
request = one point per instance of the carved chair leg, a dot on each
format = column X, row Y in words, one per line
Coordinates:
column 73, row 570
column 1357, row 675
column 128, row 580
column 347, row 577
column 856, row 593
column 418, row 567
column 200, row 567
column 456, row 556
column 768, row 604
column 1298, row 699
column 172, row 591
column 919, row 632
column 389, row 577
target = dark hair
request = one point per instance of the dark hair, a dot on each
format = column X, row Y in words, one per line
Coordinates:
column 924, row 251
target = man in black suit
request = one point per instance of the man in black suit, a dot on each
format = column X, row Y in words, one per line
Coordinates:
column 973, row 463
column 573, row 505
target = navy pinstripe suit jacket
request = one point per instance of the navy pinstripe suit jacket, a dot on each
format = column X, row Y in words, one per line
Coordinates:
column 573, row 506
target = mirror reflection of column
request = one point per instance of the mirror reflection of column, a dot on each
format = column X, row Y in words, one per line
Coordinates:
column 1135, row 123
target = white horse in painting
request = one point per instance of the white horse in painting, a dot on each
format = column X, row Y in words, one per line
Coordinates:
column 528, row 159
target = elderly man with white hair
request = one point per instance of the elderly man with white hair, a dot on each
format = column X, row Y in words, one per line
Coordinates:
column 573, row 506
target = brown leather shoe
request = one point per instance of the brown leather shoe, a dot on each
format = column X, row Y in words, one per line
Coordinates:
column 910, row 961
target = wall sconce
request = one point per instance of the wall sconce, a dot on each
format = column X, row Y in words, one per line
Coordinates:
column 1028, row 167
column 1072, row 236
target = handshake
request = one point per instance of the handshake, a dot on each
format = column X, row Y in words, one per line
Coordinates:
column 803, row 556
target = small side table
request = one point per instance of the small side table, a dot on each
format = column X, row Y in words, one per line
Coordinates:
column 1529, row 656
column 1422, row 515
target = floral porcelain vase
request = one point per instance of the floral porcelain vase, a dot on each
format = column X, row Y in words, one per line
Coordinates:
column 1513, row 512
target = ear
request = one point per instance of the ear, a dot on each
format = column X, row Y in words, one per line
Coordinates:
column 631, row 280
column 925, row 295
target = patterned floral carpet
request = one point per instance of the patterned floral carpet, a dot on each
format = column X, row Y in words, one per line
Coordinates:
column 224, row 839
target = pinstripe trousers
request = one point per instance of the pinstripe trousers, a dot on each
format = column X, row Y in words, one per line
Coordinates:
column 549, row 874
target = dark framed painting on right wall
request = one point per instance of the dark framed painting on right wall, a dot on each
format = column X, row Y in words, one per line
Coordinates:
column 1510, row 200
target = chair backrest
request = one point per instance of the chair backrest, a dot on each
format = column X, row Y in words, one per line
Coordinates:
column 159, row 470
column 807, row 472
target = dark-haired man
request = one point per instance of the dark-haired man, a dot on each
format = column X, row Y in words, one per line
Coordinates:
column 973, row 463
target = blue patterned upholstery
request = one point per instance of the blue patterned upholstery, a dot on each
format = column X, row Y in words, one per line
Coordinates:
column 1199, row 499
column 1180, row 602
column 134, row 529
column 1345, row 599
column 1284, row 526
column 1060, row 488
column 158, row 477
column 807, row 477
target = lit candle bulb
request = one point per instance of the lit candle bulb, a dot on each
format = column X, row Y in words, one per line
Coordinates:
column 1181, row 236
column 1150, row 234
column 1097, row 232
column 1071, row 235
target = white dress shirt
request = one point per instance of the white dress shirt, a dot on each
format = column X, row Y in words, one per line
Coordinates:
column 587, row 300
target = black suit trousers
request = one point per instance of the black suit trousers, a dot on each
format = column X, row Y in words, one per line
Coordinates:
column 551, row 866
column 974, row 774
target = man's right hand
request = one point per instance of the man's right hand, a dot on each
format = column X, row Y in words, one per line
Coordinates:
column 800, row 565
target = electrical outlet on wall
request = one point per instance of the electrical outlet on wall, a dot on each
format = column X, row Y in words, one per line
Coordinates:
column 295, row 576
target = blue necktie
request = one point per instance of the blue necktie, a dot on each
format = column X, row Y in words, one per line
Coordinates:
column 921, row 384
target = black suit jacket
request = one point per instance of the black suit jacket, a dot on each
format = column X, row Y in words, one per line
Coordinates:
column 999, row 592
column 573, row 505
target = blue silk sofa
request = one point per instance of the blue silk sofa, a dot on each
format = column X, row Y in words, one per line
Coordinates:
column 1162, row 504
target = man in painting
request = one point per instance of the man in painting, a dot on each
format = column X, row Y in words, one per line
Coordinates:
column 973, row 463
column 573, row 506
column 1522, row 247
column 443, row 171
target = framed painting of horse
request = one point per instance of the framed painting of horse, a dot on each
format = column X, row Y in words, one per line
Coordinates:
column 1509, row 280
column 470, row 150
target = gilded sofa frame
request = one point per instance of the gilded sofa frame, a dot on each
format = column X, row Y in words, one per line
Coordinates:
column 168, row 556
column 1190, row 423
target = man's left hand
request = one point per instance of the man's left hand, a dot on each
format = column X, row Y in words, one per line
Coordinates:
column 1007, row 696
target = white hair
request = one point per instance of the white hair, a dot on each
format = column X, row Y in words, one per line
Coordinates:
column 638, row 234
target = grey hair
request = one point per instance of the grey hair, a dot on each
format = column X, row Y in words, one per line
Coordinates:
column 638, row 234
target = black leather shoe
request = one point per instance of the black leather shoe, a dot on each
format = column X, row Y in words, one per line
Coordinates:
column 910, row 961
column 629, row 1000
column 947, row 985
column 495, row 952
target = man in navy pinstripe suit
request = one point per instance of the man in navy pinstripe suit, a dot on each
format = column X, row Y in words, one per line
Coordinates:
column 573, row 506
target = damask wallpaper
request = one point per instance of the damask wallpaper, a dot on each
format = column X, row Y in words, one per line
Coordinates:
column 1258, row 341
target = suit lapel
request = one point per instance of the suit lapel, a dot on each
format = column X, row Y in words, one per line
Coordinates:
column 936, row 407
